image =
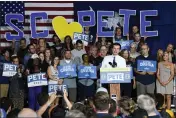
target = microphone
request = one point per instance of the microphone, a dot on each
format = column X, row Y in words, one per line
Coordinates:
column 110, row 63
column 114, row 64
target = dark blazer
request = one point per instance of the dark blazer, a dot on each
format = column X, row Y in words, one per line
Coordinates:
column 16, row 84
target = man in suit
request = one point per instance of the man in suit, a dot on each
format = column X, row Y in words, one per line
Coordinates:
column 70, row 82
column 114, row 61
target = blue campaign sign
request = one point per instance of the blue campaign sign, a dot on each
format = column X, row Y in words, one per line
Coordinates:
column 53, row 88
column 37, row 79
column 87, row 72
column 67, row 71
column 125, row 44
column 9, row 70
column 116, row 75
column 146, row 65
column 80, row 36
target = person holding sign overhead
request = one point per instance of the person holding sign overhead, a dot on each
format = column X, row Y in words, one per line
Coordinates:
column 114, row 61
column 145, row 79
column 165, row 77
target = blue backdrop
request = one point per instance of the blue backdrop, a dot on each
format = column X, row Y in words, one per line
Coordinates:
column 165, row 22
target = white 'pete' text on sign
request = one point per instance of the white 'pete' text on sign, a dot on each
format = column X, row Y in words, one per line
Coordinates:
column 52, row 88
column 115, row 76
column 9, row 67
column 57, row 87
column 79, row 36
column 9, row 70
column 36, row 77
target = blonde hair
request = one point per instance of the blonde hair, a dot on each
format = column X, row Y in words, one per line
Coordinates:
column 127, row 105
column 159, row 59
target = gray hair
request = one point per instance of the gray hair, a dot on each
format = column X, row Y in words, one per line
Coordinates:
column 146, row 102
column 75, row 114
column 26, row 112
column 134, row 44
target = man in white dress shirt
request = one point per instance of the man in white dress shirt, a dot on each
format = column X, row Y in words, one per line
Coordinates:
column 114, row 61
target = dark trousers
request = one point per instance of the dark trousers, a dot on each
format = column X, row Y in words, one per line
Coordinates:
column 72, row 94
column 32, row 97
column 85, row 91
column 126, row 89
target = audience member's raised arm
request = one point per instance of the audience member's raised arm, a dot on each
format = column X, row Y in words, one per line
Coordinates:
column 69, row 104
column 45, row 106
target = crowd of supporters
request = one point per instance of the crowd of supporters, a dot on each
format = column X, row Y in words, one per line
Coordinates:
column 147, row 96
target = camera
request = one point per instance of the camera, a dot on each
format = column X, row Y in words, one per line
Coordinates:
column 59, row 92
column 114, row 64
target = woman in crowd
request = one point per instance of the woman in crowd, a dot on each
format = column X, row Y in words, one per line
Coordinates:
column 170, row 51
column 53, row 74
column 133, row 52
column 126, row 88
column 68, row 45
column 159, row 55
column 16, row 85
column 42, row 45
column 43, row 66
column 48, row 57
column 34, row 91
column 165, row 75
column 57, row 42
column 53, row 71
column 86, row 87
